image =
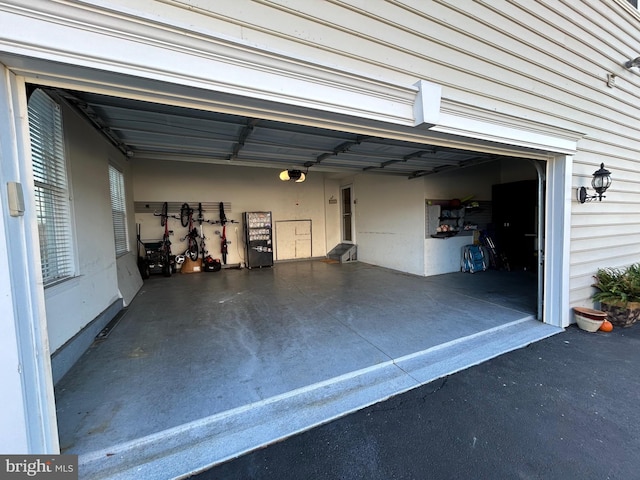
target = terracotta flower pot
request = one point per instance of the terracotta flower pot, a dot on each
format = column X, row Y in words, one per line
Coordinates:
column 589, row 319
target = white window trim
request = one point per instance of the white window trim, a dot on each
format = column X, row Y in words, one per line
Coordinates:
column 121, row 244
column 67, row 267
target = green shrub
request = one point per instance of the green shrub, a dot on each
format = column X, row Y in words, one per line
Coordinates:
column 618, row 285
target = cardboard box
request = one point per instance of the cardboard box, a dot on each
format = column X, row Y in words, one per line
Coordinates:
column 191, row 266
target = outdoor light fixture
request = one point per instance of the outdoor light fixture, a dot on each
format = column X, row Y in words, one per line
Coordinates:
column 600, row 182
column 296, row 175
column 633, row 63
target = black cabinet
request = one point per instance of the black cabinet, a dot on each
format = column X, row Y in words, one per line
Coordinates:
column 515, row 222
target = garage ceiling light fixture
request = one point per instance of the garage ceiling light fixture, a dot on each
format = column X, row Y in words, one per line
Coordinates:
column 600, row 182
column 296, row 175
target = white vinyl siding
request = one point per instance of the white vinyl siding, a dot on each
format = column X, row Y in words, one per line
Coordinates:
column 118, row 210
column 51, row 188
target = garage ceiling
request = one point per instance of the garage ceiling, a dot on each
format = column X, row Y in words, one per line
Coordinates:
column 149, row 130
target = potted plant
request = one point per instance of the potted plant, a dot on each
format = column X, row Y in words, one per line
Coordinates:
column 618, row 291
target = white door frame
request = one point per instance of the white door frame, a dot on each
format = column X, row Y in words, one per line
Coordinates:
column 558, row 198
column 25, row 362
column 352, row 215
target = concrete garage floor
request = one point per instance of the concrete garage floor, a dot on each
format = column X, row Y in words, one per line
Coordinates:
column 204, row 367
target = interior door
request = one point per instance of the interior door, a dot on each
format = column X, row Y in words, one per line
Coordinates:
column 346, row 209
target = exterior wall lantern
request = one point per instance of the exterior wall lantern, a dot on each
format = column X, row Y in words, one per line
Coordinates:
column 600, row 182
column 633, row 63
column 296, row 175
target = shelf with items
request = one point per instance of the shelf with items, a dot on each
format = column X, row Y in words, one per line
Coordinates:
column 445, row 234
column 444, row 220
column 451, row 221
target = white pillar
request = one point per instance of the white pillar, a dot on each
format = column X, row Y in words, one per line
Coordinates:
column 27, row 417
column 557, row 241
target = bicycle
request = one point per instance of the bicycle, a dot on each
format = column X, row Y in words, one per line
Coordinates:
column 497, row 259
column 201, row 220
column 165, row 245
column 186, row 220
column 223, row 235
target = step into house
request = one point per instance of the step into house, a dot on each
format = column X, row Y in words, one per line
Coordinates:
column 344, row 252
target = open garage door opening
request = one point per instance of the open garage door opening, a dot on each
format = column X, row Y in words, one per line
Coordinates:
column 197, row 351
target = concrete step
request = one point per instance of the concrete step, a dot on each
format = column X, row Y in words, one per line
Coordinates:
column 196, row 446
column 343, row 252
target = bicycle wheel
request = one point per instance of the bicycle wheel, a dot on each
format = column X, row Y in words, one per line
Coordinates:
column 184, row 214
column 166, row 262
column 192, row 249
column 165, row 214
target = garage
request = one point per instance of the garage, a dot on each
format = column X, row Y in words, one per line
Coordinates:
column 402, row 314
column 207, row 120
column 222, row 351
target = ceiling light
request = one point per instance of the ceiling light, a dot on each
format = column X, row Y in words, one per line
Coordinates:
column 297, row 175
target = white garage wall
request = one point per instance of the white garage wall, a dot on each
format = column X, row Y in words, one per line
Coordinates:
column 477, row 180
column 74, row 303
column 389, row 218
column 515, row 170
column 247, row 189
column 332, row 211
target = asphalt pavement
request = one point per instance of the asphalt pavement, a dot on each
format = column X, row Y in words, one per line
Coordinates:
column 567, row 407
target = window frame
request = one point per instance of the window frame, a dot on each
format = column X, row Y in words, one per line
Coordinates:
column 52, row 189
column 118, row 198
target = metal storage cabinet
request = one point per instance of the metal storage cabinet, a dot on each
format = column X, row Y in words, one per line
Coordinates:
column 258, row 239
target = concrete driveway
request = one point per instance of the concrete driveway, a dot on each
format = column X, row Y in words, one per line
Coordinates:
column 562, row 408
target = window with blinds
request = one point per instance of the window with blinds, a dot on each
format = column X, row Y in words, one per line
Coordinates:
column 51, row 188
column 118, row 210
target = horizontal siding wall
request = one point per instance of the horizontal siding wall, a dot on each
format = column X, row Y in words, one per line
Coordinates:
column 545, row 61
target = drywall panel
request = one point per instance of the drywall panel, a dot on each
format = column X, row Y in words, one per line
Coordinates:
column 474, row 182
column 245, row 189
column 444, row 255
column 516, row 170
column 332, row 210
column 74, row 303
column 389, row 222
column 293, row 239
column 129, row 279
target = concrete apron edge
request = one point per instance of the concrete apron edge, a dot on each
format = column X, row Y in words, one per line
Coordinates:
column 192, row 447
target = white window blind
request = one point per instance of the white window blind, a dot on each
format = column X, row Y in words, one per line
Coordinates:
column 118, row 210
column 51, row 188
